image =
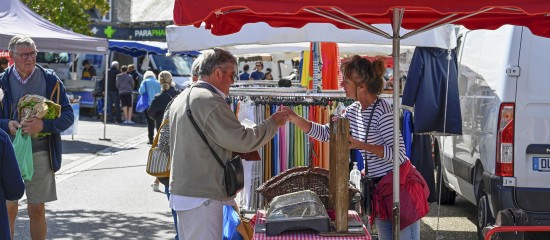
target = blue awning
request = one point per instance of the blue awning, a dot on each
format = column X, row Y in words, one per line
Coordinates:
column 141, row 48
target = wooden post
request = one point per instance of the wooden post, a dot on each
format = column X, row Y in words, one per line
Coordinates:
column 339, row 171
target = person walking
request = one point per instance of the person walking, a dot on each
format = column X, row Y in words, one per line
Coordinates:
column 26, row 77
column 158, row 110
column 197, row 192
column 158, row 105
column 112, row 94
column 125, row 85
column 371, row 125
column 151, row 87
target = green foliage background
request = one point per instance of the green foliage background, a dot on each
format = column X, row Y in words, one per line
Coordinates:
column 69, row 14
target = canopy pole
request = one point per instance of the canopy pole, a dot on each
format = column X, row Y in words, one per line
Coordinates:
column 396, row 25
column 105, row 97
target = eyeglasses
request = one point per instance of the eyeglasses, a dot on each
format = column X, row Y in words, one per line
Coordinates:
column 27, row 55
column 258, row 65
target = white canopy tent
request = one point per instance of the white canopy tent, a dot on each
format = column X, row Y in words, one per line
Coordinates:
column 260, row 38
column 16, row 18
column 345, row 48
column 186, row 38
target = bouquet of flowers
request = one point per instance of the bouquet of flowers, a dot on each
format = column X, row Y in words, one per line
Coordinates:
column 37, row 106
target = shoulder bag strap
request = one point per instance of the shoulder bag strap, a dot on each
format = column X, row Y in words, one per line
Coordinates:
column 200, row 131
column 55, row 90
column 367, row 133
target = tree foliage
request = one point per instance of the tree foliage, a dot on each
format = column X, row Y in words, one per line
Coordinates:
column 69, row 14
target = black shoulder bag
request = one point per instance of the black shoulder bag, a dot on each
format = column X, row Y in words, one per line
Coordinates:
column 368, row 183
column 233, row 169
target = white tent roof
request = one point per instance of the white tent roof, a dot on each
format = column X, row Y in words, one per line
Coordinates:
column 16, row 18
column 186, row 38
column 345, row 48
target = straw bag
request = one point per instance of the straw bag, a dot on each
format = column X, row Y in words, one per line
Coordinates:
column 158, row 161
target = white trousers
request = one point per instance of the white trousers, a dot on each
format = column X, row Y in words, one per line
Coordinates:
column 202, row 222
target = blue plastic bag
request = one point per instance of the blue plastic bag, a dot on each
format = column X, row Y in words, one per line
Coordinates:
column 142, row 103
column 22, row 145
column 230, row 222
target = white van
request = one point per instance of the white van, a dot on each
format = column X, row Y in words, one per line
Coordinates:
column 502, row 160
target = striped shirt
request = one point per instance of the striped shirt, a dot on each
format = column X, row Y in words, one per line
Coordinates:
column 380, row 133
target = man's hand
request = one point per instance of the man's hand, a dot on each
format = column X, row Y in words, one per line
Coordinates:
column 13, row 125
column 280, row 117
column 291, row 114
column 32, row 125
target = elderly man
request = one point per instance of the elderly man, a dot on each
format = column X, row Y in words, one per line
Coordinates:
column 196, row 182
column 26, row 77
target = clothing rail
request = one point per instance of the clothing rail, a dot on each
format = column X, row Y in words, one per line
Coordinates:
column 283, row 92
column 274, row 83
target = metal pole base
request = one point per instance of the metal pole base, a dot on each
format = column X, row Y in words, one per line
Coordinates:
column 105, row 139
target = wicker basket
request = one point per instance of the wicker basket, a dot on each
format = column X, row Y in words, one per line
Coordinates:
column 298, row 179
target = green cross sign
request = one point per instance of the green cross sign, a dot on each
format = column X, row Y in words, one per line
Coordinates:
column 109, row 31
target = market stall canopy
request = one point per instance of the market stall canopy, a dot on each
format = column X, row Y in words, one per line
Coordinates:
column 226, row 17
column 16, row 18
column 141, row 48
column 345, row 49
column 186, row 38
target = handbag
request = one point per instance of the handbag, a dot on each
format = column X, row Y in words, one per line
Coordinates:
column 159, row 160
column 143, row 101
column 413, row 196
column 232, row 169
column 368, row 184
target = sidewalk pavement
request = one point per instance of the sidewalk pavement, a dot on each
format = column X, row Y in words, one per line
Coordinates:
column 86, row 142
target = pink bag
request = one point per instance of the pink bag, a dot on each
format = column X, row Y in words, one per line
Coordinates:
column 413, row 196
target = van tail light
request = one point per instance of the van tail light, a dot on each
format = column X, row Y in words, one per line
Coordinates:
column 504, row 166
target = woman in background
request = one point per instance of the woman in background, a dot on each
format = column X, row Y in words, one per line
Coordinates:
column 151, row 87
column 258, row 74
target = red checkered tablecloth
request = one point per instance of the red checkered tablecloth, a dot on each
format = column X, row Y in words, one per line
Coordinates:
column 307, row 234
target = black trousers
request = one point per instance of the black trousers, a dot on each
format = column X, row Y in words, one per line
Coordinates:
column 150, row 126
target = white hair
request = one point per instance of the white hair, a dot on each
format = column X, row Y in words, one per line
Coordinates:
column 148, row 74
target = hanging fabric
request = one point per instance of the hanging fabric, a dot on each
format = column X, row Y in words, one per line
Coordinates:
column 305, row 72
column 330, row 57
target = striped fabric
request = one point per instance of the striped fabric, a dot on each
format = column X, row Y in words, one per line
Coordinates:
column 380, row 133
column 307, row 234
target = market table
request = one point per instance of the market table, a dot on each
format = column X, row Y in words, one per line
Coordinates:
column 306, row 234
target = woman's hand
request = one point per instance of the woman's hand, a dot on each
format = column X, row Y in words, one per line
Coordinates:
column 354, row 143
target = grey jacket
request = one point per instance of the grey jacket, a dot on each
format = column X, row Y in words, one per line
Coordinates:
column 195, row 172
column 124, row 83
